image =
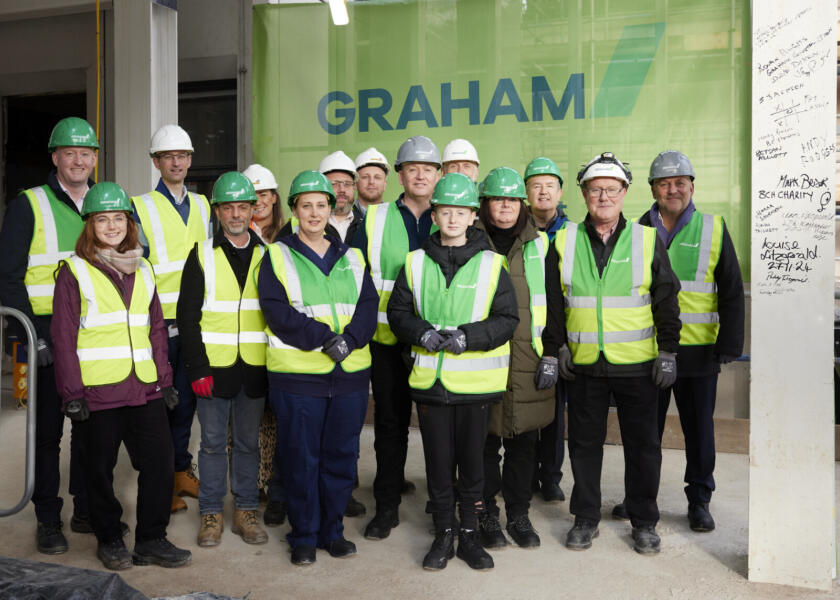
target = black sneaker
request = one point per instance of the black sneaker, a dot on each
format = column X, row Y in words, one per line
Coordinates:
column 490, row 531
column 303, row 555
column 114, row 555
column 341, row 548
column 160, row 552
column 443, row 549
column 354, row 508
column 551, row 491
column 522, row 532
column 646, row 540
column 82, row 524
column 471, row 552
column 408, row 487
column 50, row 539
column 275, row 514
column 699, row 517
column 620, row 513
column 580, row 536
column 381, row 524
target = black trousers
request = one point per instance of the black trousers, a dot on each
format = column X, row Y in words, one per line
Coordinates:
column 145, row 432
column 695, row 397
column 551, row 442
column 514, row 478
column 453, row 437
column 49, row 427
column 391, row 416
column 637, row 402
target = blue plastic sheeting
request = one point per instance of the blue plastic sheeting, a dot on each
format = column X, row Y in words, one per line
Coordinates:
column 30, row 580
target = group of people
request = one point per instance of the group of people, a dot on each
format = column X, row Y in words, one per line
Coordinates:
column 477, row 300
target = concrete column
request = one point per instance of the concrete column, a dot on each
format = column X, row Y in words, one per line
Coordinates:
column 145, row 85
column 792, row 520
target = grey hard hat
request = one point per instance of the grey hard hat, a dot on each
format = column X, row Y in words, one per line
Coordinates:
column 670, row 163
column 417, row 148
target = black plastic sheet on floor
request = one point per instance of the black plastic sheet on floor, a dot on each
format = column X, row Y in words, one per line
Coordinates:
column 30, row 580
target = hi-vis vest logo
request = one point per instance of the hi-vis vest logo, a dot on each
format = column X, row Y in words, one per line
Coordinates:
column 623, row 260
column 687, row 245
column 338, row 110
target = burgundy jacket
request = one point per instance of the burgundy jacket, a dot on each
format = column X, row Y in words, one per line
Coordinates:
column 64, row 330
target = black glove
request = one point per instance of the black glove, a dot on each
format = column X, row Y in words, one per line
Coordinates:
column 665, row 370
column 45, row 357
column 77, row 410
column 565, row 366
column 170, row 397
column 546, row 375
column 336, row 348
column 725, row 359
column 431, row 340
column 455, row 342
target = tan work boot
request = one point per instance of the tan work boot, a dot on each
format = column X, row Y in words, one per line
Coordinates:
column 178, row 505
column 245, row 524
column 210, row 532
column 186, row 483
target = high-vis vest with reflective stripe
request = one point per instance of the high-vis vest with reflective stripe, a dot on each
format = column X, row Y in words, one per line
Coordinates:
column 232, row 322
column 387, row 245
column 331, row 300
column 54, row 235
column 170, row 240
column 694, row 254
column 533, row 255
column 610, row 313
column 467, row 300
column 113, row 339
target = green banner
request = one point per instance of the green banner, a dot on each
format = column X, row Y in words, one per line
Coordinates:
column 519, row 79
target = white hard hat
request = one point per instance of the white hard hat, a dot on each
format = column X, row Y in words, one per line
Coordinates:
column 459, row 149
column 262, row 178
column 372, row 157
column 605, row 165
column 338, row 161
column 170, row 137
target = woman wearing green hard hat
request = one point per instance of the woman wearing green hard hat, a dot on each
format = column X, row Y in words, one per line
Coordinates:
column 320, row 308
column 112, row 372
column 528, row 401
column 454, row 303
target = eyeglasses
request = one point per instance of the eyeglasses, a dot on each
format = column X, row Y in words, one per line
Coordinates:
column 611, row 192
column 342, row 184
column 171, row 157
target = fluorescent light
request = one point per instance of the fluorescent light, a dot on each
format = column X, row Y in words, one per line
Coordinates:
column 338, row 9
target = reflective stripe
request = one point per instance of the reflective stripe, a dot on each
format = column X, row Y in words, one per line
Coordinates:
column 538, row 299
column 345, row 309
column 221, row 306
column 638, row 252
column 276, row 343
column 40, row 291
column 292, row 280
column 86, row 285
column 253, row 337
column 169, row 267
column 429, row 361
column 698, row 286
column 610, row 337
column 697, row 318
column 705, row 247
column 205, row 216
column 210, row 283
column 157, row 233
column 142, row 354
column 224, row 339
column 382, row 317
column 538, row 329
column 374, row 256
column 387, row 285
column 482, row 288
column 41, row 260
column 148, row 278
column 113, row 352
column 569, row 257
column 250, row 304
column 97, row 320
column 416, row 268
column 608, row 301
column 48, row 220
column 169, row 298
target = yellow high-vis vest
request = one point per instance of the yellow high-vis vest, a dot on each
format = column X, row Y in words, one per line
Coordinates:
column 467, row 299
column 113, row 339
column 170, row 240
column 232, row 322
column 533, row 256
column 387, row 246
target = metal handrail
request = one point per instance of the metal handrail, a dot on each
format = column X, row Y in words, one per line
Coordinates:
column 31, row 401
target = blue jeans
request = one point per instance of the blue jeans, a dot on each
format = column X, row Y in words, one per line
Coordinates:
column 320, row 441
column 243, row 415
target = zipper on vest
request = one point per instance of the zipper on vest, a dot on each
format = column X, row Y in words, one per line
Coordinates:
column 599, row 316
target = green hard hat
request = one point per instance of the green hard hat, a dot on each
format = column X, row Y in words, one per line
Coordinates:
column 105, row 196
column 72, row 131
column 456, row 189
column 543, row 166
column 310, row 181
column 503, row 182
column 233, row 186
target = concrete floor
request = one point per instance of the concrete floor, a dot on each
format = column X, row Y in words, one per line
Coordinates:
column 691, row 565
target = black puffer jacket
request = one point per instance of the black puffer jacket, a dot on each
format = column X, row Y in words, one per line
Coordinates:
column 484, row 335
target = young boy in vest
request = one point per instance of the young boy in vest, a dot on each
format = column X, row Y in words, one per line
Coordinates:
column 455, row 304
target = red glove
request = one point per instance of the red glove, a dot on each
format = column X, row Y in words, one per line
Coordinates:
column 203, row 387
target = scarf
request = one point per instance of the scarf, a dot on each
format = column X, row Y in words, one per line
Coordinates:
column 124, row 262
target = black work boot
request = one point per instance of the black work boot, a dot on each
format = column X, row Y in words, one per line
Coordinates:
column 381, row 524
column 114, row 555
column 471, row 552
column 699, row 517
column 580, row 536
column 161, row 552
column 443, row 548
column 275, row 513
column 646, row 540
column 490, row 531
column 619, row 511
column 551, row 491
column 354, row 508
column 50, row 539
column 522, row 532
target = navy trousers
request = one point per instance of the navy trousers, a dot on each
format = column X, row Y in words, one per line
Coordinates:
column 320, row 442
column 181, row 417
column 551, row 442
column 695, row 397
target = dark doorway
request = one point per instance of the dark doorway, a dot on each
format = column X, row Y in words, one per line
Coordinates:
column 29, row 122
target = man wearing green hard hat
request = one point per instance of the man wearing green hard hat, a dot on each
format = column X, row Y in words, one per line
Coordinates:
column 453, row 302
column 544, row 185
column 224, row 347
column 40, row 228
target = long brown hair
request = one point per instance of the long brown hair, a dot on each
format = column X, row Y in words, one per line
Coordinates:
column 277, row 221
column 87, row 243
